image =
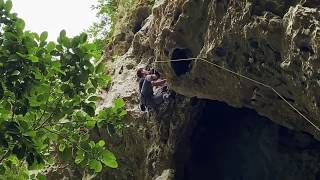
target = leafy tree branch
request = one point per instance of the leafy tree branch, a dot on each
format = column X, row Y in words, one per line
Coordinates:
column 48, row 97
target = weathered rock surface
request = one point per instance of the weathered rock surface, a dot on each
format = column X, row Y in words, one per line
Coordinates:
column 166, row 175
column 274, row 42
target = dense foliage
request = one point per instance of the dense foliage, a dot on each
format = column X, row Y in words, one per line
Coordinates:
column 48, row 101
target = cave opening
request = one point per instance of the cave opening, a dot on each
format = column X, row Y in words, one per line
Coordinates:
column 184, row 66
column 238, row 144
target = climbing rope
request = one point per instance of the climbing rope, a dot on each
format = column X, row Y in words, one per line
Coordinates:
column 249, row 79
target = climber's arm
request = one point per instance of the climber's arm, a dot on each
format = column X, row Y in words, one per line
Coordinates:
column 159, row 82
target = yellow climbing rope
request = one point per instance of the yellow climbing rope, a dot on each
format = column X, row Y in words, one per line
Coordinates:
column 249, row 79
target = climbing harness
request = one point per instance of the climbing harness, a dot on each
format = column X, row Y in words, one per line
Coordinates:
column 249, row 79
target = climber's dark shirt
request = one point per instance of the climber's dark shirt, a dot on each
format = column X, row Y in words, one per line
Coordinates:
column 147, row 96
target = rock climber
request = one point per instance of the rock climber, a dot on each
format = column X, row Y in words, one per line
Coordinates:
column 147, row 80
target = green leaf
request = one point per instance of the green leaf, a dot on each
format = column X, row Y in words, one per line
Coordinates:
column 31, row 133
column 33, row 58
column 80, row 156
column 36, row 36
column 44, row 36
column 10, row 36
column 95, row 165
column 90, row 124
column 62, row 147
column 21, row 55
column 20, row 24
column 56, row 65
column 51, row 46
column 83, row 38
column 84, row 77
column 103, row 114
column 100, row 68
column 66, row 42
column 95, row 84
column 92, row 144
column 101, row 143
column 94, row 98
column 103, row 79
column 8, row 6
column 89, row 109
column 63, row 33
column 91, row 48
column 109, row 159
column 13, row 159
column 75, row 41
column 41, row 177
column 31, row 45
column 123, row 113
column 13, row 16
column 66, row 155
column 59, row 47
column 42, row 44
column 119, row 103
column 91, row 90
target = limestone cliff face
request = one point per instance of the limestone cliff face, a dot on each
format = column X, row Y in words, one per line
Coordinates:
column 271, row 41
column 274, row 42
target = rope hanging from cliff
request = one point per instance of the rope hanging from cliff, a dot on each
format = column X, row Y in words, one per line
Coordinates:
column 249, row 79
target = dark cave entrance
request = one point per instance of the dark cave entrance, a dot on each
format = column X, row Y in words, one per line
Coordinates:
column 181, row 67
column 238, row 144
